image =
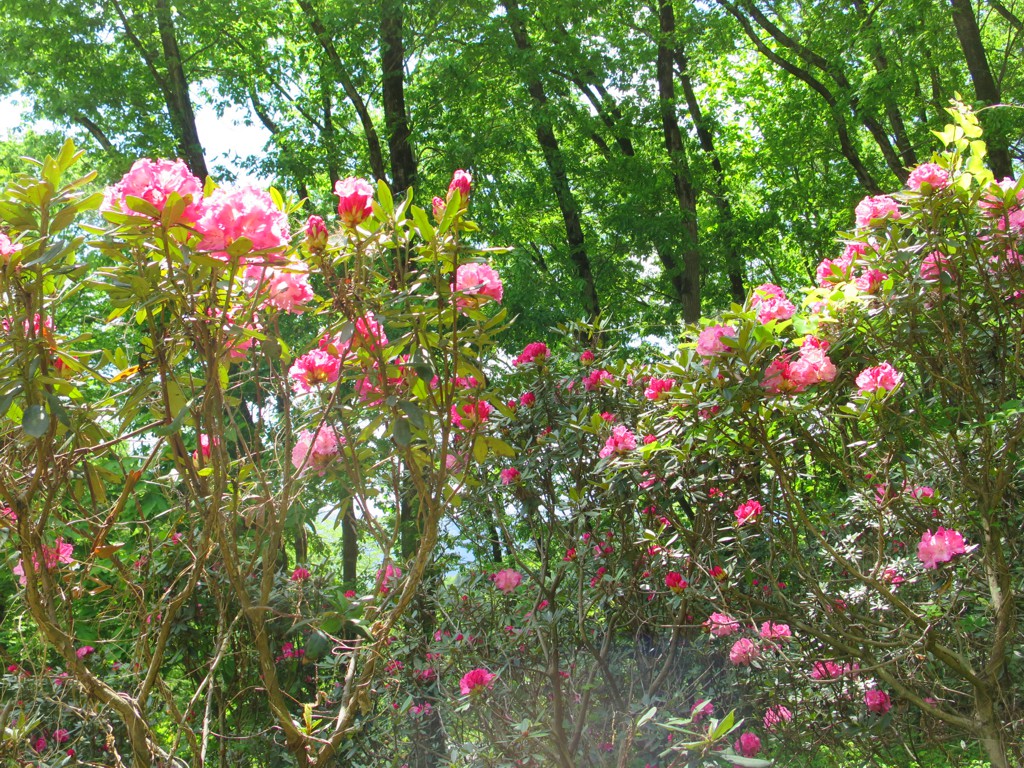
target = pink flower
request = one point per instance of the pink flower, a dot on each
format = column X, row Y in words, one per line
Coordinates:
column 780, row 377
column 832, row 271
column 747, row 745
column 658, row 387
column 470, row 415
column 701, row 709
column 476, row 681
column 940, row 547
column 316, row 450
column 177, row 538
column 826, row 670
column 621, row 441
column 775, row 715
column 366, row 333
column 85, row 650
column 877, row 701
column 206, row 446
column 316, row 234
column 597, row 378
column 535, row 352
column 932, row 174
column 717, row 573
column 872, row 209
column 39, row 745
column 61, row 553
column 586, row 357
column 388, row 576
column 771, row 303
column 287, row 287
column 882, row 376
column 477, row 283
column 994, row 203
column 813, row 366
column 154, row 181
column 7, row 248
column 772, row 631
column 61, row 735
column 230, row 214
column 722, row 625
column 675, row 581
column 314, row 369
column 528, row 399
column 510, row 475
column 438, row 206
column 507, row 580
column 300, row 574
column 870, row 280
column 743, row 652
column 747, row 512
column 355, row 200
column 461, row 181
column 935, row 265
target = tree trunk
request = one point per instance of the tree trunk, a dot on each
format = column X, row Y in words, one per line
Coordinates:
column 396, row 119
column 683, row 273
column 985, row 88
column 556, row 168
column 179, row 103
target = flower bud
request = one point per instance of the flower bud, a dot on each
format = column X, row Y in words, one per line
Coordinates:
column 316, row 234
column 355, row 201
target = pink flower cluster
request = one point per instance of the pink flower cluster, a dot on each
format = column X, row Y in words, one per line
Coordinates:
column 536, row 352
column 722, row 625
column 300, row 574
column 877, row 701
column 316, row 450
column 709, row 342
column 355, row 200
column 155, row 181
column 744, row 652
column 883, row 376
column 748, row 512
column 471, row 414
column 675, row 581
column 813, row 366
column 776, row 715
column 476, row 681
column 621, row 441
column 872, row 209
column 314, row 369
column 656, row 388
column 940, row 547
column 747, row 745
column 286, row 287
column 230, row 214
column 935, row 265
column 771, row 303
column 596, row 379
column 60, row 553
column 509, row 475
column 7, row 248
column 507, row 580
column 476, row 284
column 932, row 174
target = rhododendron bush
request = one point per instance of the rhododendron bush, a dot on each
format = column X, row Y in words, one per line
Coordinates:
column 799, row 532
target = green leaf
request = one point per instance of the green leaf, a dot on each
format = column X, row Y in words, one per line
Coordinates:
column 414, row 412
column 384, row 199
column 646, row 717
column 402, row 433
column 35, row 421
column 239, row 247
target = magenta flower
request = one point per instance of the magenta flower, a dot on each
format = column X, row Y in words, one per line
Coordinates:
column 813, row 366
column 476, row 681
column 872, row 209
column 775, row 715
column 748, row 512
column 313, row 370
column 932, row 174
column 355, row 200
column 61, row 553
column 528, row 399
column 316, row 450
column 316, row 234
column 438, row 206
column 743, row 652
column 833, row 271
column 722, row 625
column 597, row 378
column 701, row 709
column 675, row 581
column 709, row 342
column 586, row 357
column 230, row 214
column 367, row 334
column 85, row 650
column 470, row 415
column 39, row 745
column 461, row 181
column 658, row 387
column 771, row 303
column 477, row 283
column 780, row 378
column 826, row 670
column 935, row 265
column 535, row 352
column 300, row 574
column 61, row 735
column 621, row 441
column 507, row 580
column 940, row 547
column 877, row 701
column 509, row 475
column 882, row 376
column 747, row 745
column 154, row 181
column 772, row 631
column 870, row 280
column 7, row 248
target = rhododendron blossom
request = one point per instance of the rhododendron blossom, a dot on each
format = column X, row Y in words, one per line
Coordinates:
column 154, row 181
column 882, row 376
column 476, row 283
column 932, row 174
column 940, row 547
column 709, row 342
column 701, row 709
column 935, row 265
column 476, row 681
column 366, row 333
column 316, row 450
column 870, row 280
column 621, row 441
column 772, row 631
column 832, row 271
column 875, row 208
column 230, row 214
column 314, row 369
column 528, row 399
column 773, row 716
column 300, row 574
column 597, row 378
column 586, row 357
column 471, row 414
column 507, row 580
column 355, row 200
column 7, row 248
column 509, row 475
column 85, row 650
column 747, row 512
column 993, row 202
column 675, row 581
column 743, row 652
column 461, row 181
column 316, row 234
column 60, row 553
column 747, row 745
column 287, row 287
column 812, row 366
column 656, row 388
column 877, row 701
column 722, row 625
column 771, row 303
column 535, row 352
